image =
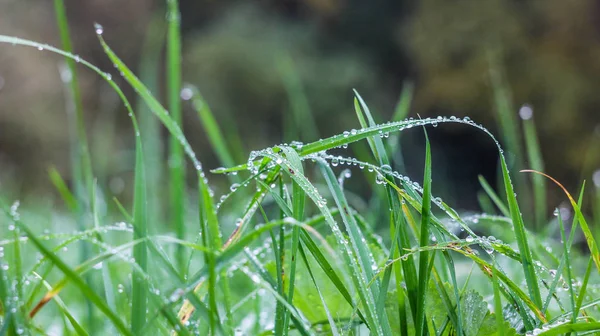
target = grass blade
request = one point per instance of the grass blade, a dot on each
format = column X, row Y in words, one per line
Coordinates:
column 521, row 237
column 494, row 197
column 424, row 241
column 176, row 162
column 213, row 132
column 535, row 160
column 140, row 253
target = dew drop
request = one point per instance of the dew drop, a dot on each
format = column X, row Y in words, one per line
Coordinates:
column 596, row 178
column 99, row 29
column 526, row 112
column 186, row 93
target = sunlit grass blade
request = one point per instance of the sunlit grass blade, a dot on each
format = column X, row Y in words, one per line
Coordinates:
column 176, row 161
column 589, row 237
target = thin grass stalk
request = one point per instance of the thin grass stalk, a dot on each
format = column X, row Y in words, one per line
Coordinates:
column 536, row 162
column 81, row 164
column 149, row 126
column 176, row 161
column 424, row 241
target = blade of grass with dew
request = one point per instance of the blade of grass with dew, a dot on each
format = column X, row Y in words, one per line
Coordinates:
column 576, row 327
column 79, row 271
column 315, row 197
column 368, row 132
column 176, row 161
column 360, row 249
column 408, row 266
column 584, row 285
column 535, row 160
column 64, row 310
column 89, row 293
column 314, row 250
column 149, row 99
column 424, row 241
column 106, row 279
column 208, row 219
column 569, row 278
column 9, row 322
column 521, row 237
column 278, row 244
column 589, row 237
column 298, row 201
column 312, row 247
column 268, row 279
column 487, row 269
column 566, row 247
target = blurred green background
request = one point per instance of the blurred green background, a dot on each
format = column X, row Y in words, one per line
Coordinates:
column 240, row 53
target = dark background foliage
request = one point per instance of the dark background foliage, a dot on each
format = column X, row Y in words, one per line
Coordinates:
column 234, row 51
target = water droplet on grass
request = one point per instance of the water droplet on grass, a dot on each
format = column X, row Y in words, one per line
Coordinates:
column 526, row 112
column 596, row 178
column 99, row 29
column 186, row 93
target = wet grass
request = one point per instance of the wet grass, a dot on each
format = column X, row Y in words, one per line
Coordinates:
column 287, row 249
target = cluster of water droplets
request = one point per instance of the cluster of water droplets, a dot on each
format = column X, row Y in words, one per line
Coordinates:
column 549, row 326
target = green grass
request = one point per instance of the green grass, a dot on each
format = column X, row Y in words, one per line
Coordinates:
column 286, row 249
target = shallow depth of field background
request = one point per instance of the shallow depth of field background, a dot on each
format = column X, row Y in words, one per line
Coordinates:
column 236, row 52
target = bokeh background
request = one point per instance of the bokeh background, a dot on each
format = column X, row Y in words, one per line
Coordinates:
column 239, row 54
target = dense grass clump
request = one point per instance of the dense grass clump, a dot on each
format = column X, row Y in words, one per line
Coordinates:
column 286, row 249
